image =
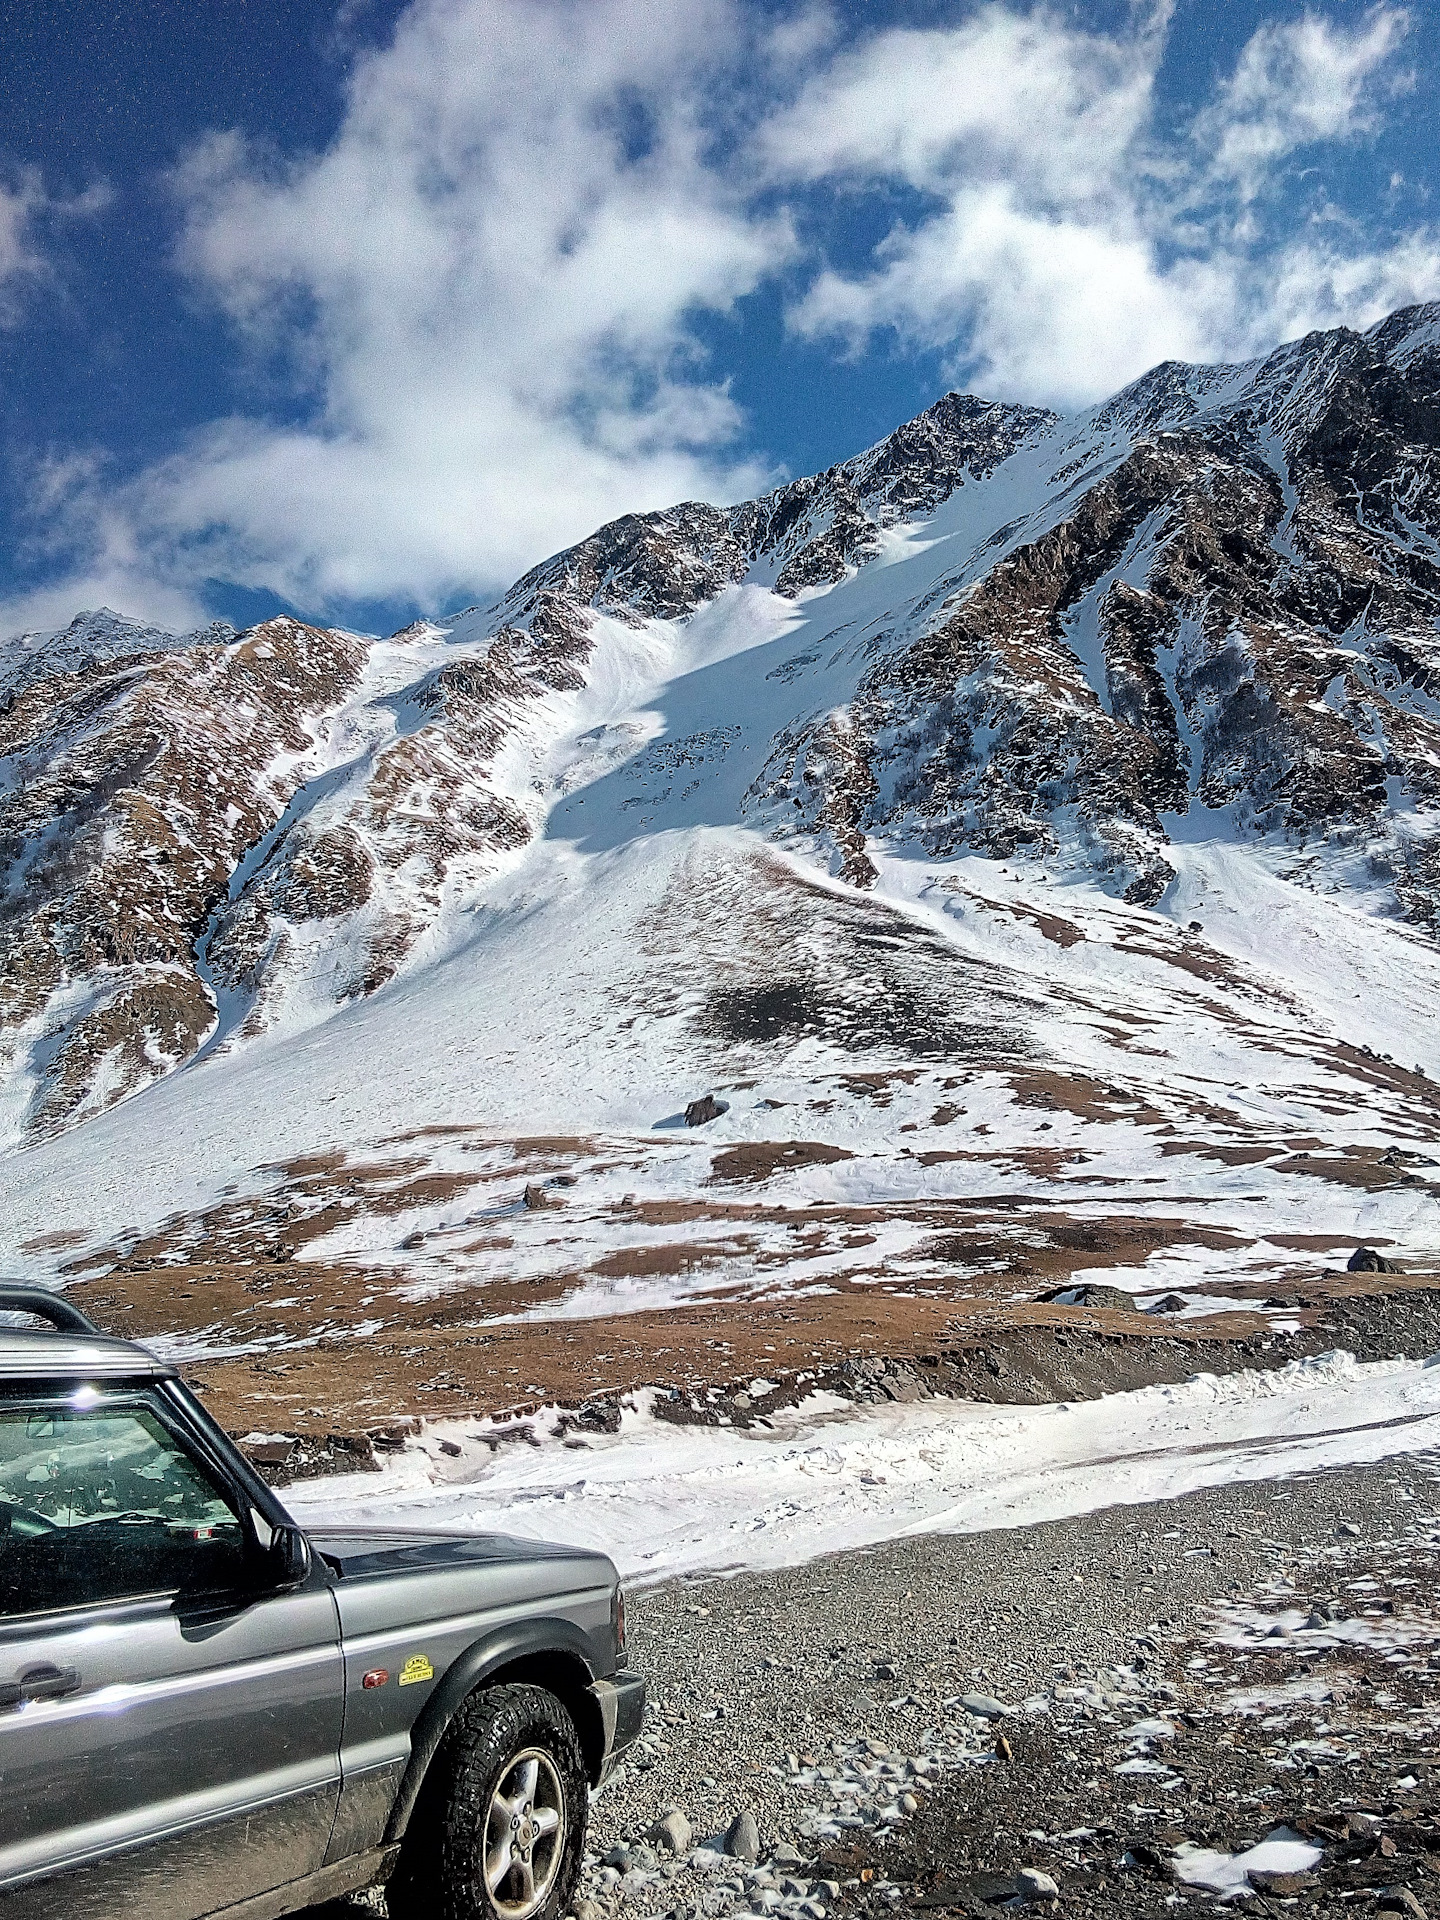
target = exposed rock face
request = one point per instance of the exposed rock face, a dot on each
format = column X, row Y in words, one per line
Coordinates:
column 1244, row 614
column 1215, row 597
column 364, row 869
column 1366, row 1260
column 1230, row 596
column 1091, row 1294
column 91, row 637
column 663, row 565
column 133, row 788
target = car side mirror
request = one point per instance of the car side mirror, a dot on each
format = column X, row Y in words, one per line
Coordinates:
column 290, row 1556
column 283, row 1557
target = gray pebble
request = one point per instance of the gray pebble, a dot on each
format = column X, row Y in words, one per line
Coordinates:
column 1032, row 1884
column 672, row 1831
column 742, row 1841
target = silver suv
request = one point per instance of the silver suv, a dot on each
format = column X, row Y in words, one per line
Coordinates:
column 204, row 1710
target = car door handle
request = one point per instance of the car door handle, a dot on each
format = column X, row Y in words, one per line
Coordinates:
column 46, row 1683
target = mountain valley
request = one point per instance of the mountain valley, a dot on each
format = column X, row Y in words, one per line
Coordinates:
column 1027, row 831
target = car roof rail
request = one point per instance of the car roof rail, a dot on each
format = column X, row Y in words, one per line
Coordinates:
column 45, row 1305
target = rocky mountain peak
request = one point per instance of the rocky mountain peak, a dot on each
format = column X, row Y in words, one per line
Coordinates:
column 101, row 634
column 1208, row 605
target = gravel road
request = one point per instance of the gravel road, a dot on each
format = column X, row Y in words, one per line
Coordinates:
column 859, row 1666
column 829, row 1703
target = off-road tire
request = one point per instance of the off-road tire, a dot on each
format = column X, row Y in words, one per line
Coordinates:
column 441, row 1871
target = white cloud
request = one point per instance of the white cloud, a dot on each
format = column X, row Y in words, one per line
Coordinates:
column 74, row 512
column 1311, row 285
column 1042, row 306
column 22, row 262
column 1297, row 83
column 487, row 281
column 1063, row 246
column 1028, row 138
column 16, row 254
column 1006, row 96
column 25, row 209
column 486, row 287
column 134, row 592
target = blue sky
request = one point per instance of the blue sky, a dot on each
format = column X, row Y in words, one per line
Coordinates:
column 361, row 309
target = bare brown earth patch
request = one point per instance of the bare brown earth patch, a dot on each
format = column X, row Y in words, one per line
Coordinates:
column 1320, row 1290
column 878, row 1088
column 1364, row 1167
column 1063, row 933
column 1087, row 1097
column 762, row 1158
column 1227, row 1156
column 470, row 1275
column 343, row 1348
column 1318, row 1242
column 636, row 1263
column 1201, row 963
column 444, row 1363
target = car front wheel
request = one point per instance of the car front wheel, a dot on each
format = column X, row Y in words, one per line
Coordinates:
column 500, row 1827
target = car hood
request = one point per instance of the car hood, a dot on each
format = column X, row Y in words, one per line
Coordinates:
column 359, row 1552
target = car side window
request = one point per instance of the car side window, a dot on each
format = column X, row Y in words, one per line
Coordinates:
column 99, row 1501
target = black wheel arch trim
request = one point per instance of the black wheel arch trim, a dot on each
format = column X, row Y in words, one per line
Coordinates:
column 485, row 1659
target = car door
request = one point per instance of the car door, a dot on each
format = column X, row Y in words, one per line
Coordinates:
column 169, row 1727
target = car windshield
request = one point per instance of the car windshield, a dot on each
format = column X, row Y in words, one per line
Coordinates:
column 98, row 1500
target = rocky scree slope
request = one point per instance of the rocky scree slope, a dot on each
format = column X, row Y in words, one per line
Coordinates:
column 1207, row 606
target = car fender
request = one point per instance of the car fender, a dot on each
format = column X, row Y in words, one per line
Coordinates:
column 490, row 1654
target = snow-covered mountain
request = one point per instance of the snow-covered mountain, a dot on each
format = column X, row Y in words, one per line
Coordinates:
column 90, row 639
column 1053, row 642
column 989, row 752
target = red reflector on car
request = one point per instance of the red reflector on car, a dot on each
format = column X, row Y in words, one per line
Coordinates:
column 376, row 1677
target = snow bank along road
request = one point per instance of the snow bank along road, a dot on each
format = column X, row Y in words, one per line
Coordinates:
column 664, row 1499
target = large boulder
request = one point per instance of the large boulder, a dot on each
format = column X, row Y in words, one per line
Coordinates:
column 1366, row 1260
column 1090, row 1294
column 672, row 1831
